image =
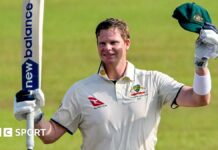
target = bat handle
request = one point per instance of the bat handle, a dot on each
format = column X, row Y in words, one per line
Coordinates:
column 30, row 131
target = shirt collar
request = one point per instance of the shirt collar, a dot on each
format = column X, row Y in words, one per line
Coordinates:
column 129, row 73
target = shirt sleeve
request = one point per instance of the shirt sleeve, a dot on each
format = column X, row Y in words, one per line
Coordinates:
column 69, row 113
column 168, row 88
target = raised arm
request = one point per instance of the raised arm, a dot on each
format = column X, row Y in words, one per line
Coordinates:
column 199, row 93
column 53, row 131
column 188, row 96
column 49, row 130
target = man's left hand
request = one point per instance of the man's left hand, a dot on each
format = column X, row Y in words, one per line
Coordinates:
column 206, row 47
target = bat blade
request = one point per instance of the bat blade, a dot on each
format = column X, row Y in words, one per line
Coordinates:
column 32, row 44
column 32, row 28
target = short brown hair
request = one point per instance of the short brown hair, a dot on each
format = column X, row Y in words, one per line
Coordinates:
column 113, row 23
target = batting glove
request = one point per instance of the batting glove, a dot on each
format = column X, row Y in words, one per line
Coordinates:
column 29, row 101
column 206, row 47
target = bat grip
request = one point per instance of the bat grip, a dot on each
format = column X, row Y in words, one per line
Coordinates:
column 30, row 131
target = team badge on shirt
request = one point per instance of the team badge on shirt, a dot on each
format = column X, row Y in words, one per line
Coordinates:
column 137, row 90
column 95, row 102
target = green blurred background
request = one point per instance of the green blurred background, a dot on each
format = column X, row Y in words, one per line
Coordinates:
column 69, row 54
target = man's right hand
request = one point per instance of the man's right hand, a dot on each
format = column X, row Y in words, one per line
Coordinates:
column 28, row 101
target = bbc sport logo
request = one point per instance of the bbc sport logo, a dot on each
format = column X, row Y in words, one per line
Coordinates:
column 6, row 132
column 10, row 132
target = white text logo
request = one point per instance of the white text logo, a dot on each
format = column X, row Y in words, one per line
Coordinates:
column 10, row 132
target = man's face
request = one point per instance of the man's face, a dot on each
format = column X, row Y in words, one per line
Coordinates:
column 112, row 47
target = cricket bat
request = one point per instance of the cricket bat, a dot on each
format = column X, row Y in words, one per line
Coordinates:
column 32, row 28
